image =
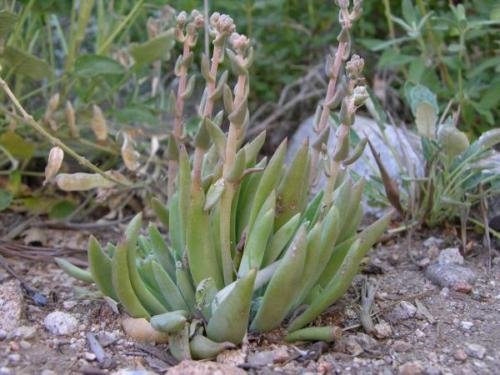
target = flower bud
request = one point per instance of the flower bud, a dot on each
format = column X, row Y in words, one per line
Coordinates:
column 360, row 95
column 354, row 66
column 54, row 162
column 71, row 120
column 181, row 19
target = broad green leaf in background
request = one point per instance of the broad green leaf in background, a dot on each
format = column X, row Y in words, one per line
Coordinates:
column 96, row 65
column 5, row 199
column 394, row 58
column 136, row 114
column 154, row 49
column 7, row 22
column 62, row 209
column 416, row 94
column 17, row 145
column 25, row 64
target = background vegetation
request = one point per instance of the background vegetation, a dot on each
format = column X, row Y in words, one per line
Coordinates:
column 80, row 53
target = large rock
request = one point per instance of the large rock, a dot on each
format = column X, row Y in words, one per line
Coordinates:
column 398, row 149
column 11, row 305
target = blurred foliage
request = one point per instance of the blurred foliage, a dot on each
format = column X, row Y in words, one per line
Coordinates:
column 52, row 46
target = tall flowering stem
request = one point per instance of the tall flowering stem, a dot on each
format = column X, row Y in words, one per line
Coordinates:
column 356, row 95
column 333, row 71
column 221, row 26
column 186, row 33
column 238, row 117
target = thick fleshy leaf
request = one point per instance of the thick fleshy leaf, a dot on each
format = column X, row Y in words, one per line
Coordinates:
column 100, row 267
column 281, row 291
column 229, row 320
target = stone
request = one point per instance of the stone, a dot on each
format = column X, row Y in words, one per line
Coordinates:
column 404, row 310
column 401, row 346
column 232, row 357
column 366, row 341
column 127, row 371
column 351, row 346
column 14, row 358
column 411, row 368
column 450, row 256
column 24, row 332
column 24, row 344
column 432, row 370
column 403, row 143
column 460, row 355
column 60, row 323
column 433, row 241
column 267, row 357
column 11, row 305
column 466, row 325
column 475, row 350
column 454, row 276
column 382, row 330
column 3, row 334
column 202, row 368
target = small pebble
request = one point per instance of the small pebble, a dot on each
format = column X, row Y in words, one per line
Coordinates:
column 60, row 323
column 466, row 325
column 3, row 334
column 411, row 368
column 444, row 292
column 475, row 350
column 89, row 356
column 24, row 344
column 14, row 358
column 450, row 256
column 401, row 346
column 5, row 371
column 382, row 330
column 460, row 355
column 48, row 372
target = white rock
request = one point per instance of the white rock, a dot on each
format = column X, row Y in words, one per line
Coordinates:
column 466, row 325
column 475, row 350
column 60, row 323
column 382, row 330
column 450, row 256
column 433, row 241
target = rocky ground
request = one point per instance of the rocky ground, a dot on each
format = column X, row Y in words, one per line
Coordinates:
column 434, row 313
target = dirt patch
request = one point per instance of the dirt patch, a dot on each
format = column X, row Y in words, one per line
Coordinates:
column 426, row 328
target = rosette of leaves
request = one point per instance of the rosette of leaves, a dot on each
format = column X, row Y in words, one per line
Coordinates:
column 458, row 174
column 244, row 245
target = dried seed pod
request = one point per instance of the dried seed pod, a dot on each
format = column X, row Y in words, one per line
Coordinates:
column 98, row 124
column 69, row 111
column 56, row 156
column 130, row 156
column 82, row 181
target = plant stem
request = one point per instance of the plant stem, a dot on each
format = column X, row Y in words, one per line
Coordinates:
column 179, row 114
column 208, row 109
column 234, row 135
column 54, row 140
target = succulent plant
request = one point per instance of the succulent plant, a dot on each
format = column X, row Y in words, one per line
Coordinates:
column 243, row 244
